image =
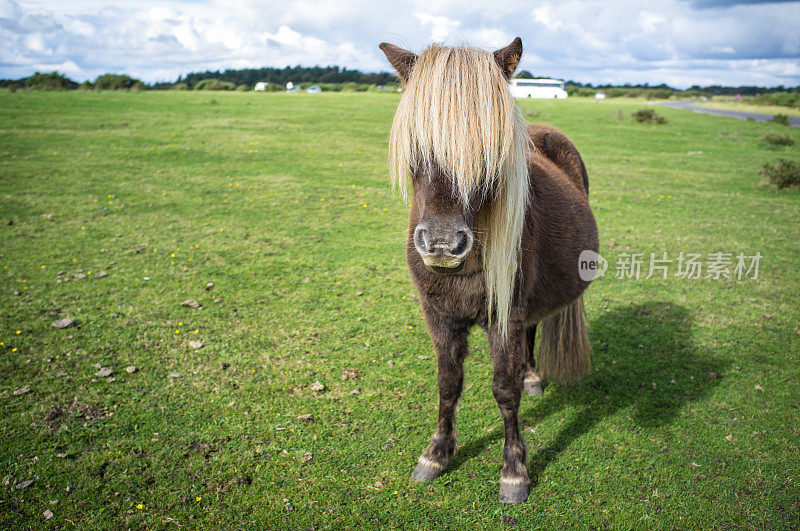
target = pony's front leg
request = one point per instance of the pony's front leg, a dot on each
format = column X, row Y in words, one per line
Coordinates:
column 509, row 362
column 450, row 342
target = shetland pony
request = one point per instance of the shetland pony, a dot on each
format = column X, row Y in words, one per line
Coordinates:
column 498, row 220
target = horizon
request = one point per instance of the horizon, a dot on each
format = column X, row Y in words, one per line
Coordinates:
column 679, row 43
column 182, row 78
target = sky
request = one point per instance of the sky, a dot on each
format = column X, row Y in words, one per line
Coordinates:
column 677, row 42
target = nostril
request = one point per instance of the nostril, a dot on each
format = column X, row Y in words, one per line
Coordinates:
column 421, row 239
column 462, row 243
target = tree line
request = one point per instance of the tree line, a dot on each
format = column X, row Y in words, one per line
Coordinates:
column 243, row 77
column 334, row 78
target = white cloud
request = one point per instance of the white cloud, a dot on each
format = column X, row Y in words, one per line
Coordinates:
column 672, row 41
column 441, row 27
column 650, row 21
column 542, row 16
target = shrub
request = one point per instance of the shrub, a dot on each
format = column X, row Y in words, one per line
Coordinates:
column 352, row 86
column 581, row 91
column 777, row 140
column 49, row 81
column 780, row 119
column 782, row 174
column 243, row 88
column 86, row 85
column 648, row 116
column 115, row 82
column 783, row 99
column 12, row 88
column 214, row 84
column 179, row 86
column 623, row 92
column 659, row 94
column 272, row 87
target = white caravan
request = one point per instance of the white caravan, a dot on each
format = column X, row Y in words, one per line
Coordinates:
column 538, row 88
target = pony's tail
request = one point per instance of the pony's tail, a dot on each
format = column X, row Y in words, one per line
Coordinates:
column 564, row 349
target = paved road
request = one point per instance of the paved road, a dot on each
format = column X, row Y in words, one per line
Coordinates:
column 690, row 106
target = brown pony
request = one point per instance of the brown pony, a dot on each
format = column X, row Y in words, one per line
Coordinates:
column 498, row 221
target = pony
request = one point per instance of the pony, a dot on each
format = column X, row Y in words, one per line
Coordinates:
column 499, row 217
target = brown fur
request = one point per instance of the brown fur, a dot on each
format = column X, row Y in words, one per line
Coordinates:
column 558, row 226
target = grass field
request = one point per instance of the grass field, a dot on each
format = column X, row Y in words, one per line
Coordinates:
column 118, row 207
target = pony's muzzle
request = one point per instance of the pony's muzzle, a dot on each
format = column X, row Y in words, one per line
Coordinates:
column 443, row 248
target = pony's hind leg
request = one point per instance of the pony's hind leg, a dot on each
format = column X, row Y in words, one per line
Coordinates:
column 532, row 384
column 509, row 363
column 450, row 342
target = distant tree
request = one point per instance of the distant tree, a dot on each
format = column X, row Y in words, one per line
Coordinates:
column 116, row 82
column 214, row 84
column 49, row 81
column 524, row 74
column 295, row 74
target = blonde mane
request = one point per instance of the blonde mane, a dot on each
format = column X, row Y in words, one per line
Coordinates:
column 457, row 112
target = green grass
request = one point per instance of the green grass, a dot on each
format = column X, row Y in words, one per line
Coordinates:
column 282, row 203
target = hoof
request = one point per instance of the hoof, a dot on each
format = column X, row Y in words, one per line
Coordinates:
column 513, row 493
column 424, row 474
column 533, row 389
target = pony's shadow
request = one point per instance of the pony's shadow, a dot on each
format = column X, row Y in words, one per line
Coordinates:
column 644, row 360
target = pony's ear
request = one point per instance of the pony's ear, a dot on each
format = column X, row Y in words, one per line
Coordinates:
column 402, row 60
column 508, row 57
